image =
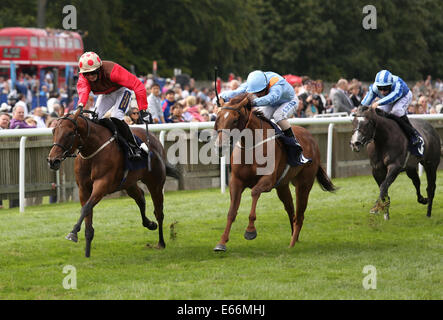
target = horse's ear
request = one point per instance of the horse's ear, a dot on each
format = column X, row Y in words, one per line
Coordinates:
column 77, row 113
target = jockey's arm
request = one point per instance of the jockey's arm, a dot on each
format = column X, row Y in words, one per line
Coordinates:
column 83, row 89
column 369, row 97
column 272, row 97
column 228, row 95
column 126, row 79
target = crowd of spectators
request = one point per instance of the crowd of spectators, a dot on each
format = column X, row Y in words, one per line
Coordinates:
column 35, row 105
column 31, row 103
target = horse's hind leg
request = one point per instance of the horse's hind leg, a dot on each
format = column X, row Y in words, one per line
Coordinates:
column 137, row 194
column 431, row 174
column 156, row 191
column 302, row 189
column 285, row 196
column 413, row 175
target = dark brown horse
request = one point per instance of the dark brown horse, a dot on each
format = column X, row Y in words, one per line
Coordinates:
column 387, row 148
column 99, row 170
column 238, row 114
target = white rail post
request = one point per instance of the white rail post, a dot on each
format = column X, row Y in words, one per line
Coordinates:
column 223, row 174
column 329, row 151
column 162, row 137
column 22, row 173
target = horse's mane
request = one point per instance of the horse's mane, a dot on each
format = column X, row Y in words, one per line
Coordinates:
column 239, row 98
column 257, row 113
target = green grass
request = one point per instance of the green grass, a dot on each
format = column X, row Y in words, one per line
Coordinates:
column 338, row 239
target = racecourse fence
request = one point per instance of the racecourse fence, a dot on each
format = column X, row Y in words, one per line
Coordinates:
column 33, row 179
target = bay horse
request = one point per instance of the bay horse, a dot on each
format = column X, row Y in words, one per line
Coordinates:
column 100, row 170
column 388, row 152
column 239, row 114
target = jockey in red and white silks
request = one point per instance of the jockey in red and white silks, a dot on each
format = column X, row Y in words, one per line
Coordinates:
column 111, row 82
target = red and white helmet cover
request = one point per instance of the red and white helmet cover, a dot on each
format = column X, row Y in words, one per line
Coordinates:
column 89, row 61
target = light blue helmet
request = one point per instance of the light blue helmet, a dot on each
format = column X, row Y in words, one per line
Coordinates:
column 256, row 82
column 383, row 78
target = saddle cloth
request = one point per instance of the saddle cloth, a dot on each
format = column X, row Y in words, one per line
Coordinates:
column 293, row 148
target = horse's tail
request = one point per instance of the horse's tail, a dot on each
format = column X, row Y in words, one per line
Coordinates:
column 172, row 171
column 324, row 181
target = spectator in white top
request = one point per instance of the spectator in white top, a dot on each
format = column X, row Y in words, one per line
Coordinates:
column 155, row 104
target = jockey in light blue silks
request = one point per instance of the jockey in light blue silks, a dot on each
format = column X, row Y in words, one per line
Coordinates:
column 275, row 97
column 395, row 98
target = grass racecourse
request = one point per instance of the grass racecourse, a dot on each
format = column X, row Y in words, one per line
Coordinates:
column 339, row 238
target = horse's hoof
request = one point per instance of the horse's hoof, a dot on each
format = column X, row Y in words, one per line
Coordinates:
column 72, row 236
column 151, row 225
column 220, row 247
column 386, row 216
column 422, row 200
column 250, row 235
column 373, row 211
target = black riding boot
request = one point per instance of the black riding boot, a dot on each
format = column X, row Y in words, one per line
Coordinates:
column 134, row 151
column 407, row 128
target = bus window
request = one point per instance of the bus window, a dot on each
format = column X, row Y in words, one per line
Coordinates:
column 42, row 42
column 50, row 43
column 5, row 41
column 20, row 41
column 62, row 42
column 34, row 42
column 69, row 43
column 76, row 44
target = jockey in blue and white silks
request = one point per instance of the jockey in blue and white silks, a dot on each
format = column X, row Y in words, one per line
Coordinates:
column 395, row 98
column 275, row 97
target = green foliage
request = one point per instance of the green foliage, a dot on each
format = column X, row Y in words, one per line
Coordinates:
column 322, row 39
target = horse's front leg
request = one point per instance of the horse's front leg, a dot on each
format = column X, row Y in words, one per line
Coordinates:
column 236, row 189
column 265, row 184
column 99, row 190
column 383, row 201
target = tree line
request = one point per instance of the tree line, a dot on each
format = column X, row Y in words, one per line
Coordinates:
column 319, row 38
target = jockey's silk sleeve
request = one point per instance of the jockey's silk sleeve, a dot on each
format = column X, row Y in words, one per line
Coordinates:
column 271, row 98
column 126, row 79
column 83, row 89
column 369, row 97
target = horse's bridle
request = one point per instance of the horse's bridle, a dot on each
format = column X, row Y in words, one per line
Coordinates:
column 365, row 141
column 76, row 134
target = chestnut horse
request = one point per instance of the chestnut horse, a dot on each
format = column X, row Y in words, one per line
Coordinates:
column 238, row 114
column 100, row 170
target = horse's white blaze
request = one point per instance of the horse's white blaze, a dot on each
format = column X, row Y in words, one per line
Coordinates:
column 356, row 136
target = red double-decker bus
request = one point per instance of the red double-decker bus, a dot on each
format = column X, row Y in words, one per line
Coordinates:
column 35, row 51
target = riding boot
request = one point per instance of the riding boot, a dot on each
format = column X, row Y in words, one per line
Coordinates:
column 410, row 131
column 288, row 133
column 134, row 151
